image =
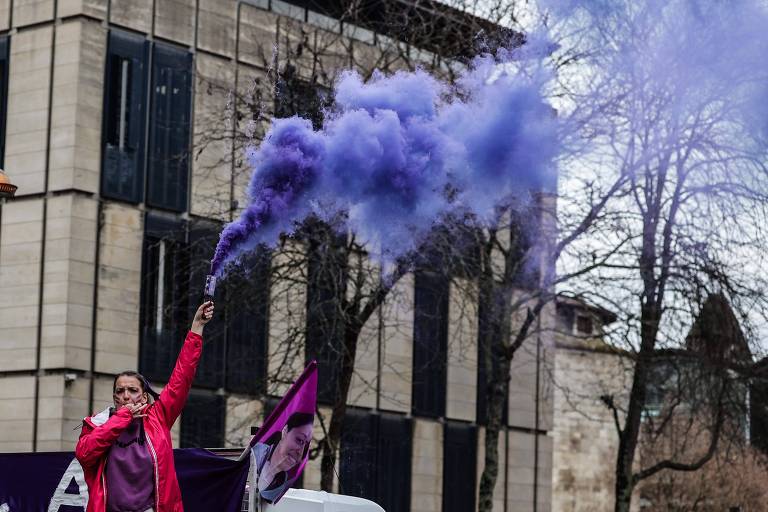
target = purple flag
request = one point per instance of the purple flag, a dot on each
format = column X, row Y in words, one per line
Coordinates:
column 281, row 446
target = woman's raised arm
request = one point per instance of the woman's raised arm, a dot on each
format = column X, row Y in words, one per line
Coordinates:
column 174, row 394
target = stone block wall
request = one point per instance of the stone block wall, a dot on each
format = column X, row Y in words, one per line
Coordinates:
column 67, row 311
column 397, row 348
column 29, row 85
column 427, row 467
column 17, row 404
column 119, row 288
column 584, row 435
column 21, row 242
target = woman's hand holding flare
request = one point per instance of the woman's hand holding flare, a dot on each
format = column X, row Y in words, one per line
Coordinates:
column 203, row 315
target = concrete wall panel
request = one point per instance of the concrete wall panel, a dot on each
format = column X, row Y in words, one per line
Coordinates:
column 27, row 121
column 76, row 116
column 397, row 347
column 21, row 237
column 17, row 410
column 119, row 282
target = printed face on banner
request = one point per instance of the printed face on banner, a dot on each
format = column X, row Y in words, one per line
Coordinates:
column 281, row 448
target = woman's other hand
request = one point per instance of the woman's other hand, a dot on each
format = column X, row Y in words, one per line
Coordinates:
column 203, row 315
column 137, row 410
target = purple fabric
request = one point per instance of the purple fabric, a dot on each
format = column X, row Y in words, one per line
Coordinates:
column 209, row 482
column 29, row 481
column 130, row 473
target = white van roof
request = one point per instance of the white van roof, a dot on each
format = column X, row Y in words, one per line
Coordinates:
column 304, row 500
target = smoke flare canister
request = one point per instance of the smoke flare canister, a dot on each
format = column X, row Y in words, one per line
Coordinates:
column 210, row 288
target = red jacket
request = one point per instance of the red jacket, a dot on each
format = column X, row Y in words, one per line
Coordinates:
column 100, row 432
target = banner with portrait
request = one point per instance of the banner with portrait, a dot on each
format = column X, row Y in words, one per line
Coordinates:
column 280, row 448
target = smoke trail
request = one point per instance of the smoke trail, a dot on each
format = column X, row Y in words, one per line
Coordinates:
column 389, row 151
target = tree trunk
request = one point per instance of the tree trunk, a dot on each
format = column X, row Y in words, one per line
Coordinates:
column 628, row 437
column 332, row 440
column 625, row 459
column 494, row 336
column 496, row 402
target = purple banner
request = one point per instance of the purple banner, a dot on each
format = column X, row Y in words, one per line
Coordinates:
column 53, row 482
column 281, row 446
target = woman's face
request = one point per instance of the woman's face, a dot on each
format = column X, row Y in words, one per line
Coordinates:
column 128, row 391
column 290, row 449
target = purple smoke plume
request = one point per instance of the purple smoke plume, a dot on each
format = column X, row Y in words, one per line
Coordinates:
column 389, row 151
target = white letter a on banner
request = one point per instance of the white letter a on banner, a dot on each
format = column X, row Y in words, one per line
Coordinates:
column 61, row 497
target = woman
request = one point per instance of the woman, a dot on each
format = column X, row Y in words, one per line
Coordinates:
column 279, row 458
column 126, row 450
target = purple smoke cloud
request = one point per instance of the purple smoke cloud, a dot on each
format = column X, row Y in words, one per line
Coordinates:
column 390, row 149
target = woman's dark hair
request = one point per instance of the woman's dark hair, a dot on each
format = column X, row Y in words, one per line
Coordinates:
column 297, row 419
column 145, row 387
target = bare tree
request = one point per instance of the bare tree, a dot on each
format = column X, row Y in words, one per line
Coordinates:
column 658, row 127
column 295, row 76
column 734, row 479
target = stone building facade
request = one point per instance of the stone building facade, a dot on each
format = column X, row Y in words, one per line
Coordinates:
column 103, row 101
column 588, row 371
column 585, row 437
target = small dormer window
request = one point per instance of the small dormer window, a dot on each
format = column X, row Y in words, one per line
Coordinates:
column 584, row 325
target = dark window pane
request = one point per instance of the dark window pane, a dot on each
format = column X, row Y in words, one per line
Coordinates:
column 758, row 410
column 584, row 324
column 124, row 117
column 525, row 231
column 357, row 467
column 203, row 236
column 459, row 467
column 393, row 462
column 297, row 97
column 376, row 458
column 202, row 421
column 453, row 248
column 430, row 339
column 169, row 128
column 326, row 288
column 164, row 305
column 4, row 51
column 247, row 309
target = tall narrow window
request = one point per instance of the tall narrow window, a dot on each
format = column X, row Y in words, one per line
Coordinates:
column 430, row 341
column 247, row 307
column 357, row 467
column 374, row 447
column 525, row 231
column 124, row 117
column 202, row 239
column 394, row 458
column 202, row 421
column 169, row 128
column 164, row 304
column 326, row 290
column 459, row 466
